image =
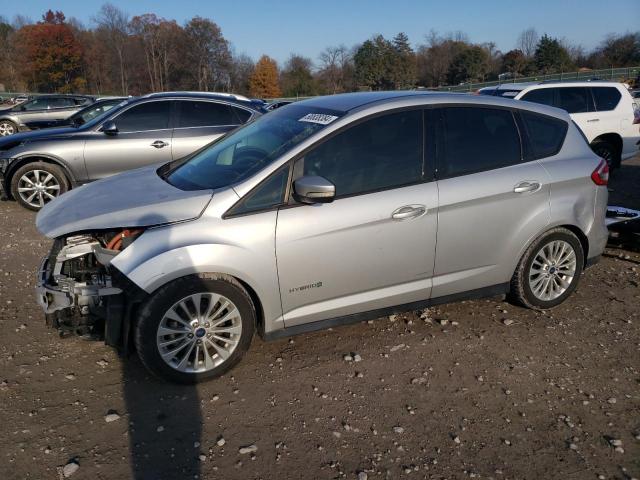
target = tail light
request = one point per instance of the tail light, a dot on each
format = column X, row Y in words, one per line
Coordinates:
column 636, row 116
column 600, row 175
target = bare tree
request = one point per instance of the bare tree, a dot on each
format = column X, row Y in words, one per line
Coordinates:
column 334, row 65
column 20, row 21
column 436, row 56
column 241, row 68
column 209, row 53
column 527, row 41
column 115, row 23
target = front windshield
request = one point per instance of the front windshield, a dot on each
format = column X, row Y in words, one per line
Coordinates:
column 251, row 148
column 103, row 115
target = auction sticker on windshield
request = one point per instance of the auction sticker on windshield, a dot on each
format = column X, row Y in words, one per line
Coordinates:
column 320, row 118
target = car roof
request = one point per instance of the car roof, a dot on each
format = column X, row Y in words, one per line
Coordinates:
column 70, row 95
column 221, row 95
column 551, row 83
column 345, row 102
column 228, row 97
column 350, row 102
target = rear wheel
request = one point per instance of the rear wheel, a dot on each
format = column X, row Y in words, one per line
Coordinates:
column 195, row 328
column 608, row 152
column 549, row 270
column 35, row 184
column 7, row 127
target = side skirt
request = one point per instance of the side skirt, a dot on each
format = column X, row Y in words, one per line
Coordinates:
column 491, row 291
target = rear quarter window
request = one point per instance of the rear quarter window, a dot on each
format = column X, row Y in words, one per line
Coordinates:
column 545, row 135
column 477, row 139
column 606, row 98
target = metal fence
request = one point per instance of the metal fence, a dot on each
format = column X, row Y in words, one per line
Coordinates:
column 615, row 74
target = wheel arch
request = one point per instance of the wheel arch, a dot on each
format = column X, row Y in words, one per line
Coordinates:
column 131, row 317
column 613, row 138
column 584, row 240
column 577, row 231
column 22, row 161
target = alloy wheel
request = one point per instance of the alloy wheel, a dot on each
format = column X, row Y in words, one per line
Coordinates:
column 6, row 128
column 38, row 187
column 552, row 270
column 199, row 332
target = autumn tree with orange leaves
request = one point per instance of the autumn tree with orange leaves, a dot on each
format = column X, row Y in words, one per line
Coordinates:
column 52, row 56
column 263, row 82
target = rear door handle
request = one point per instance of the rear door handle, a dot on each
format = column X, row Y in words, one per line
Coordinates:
column 527, row 186
column 409, row 211
column 159, row 144
column 593, row 120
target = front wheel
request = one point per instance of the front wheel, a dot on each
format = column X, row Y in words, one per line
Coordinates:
column 35, row 184
column 549, row 270
column 7, row 127
column 195, row 328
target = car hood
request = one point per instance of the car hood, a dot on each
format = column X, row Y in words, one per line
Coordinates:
column 44, row 134
column 137, row 198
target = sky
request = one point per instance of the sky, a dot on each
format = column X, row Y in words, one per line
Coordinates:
column 279, row 28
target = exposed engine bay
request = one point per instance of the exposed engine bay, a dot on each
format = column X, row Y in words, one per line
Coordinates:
column 79, row 290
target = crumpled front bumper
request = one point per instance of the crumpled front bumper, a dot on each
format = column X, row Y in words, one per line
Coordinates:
column 4, row 166
column 51, row 298
column 55, row 291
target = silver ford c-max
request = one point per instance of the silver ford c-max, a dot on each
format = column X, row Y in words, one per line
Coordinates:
column 327, row 211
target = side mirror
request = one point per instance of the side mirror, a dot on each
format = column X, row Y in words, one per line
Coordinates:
column 109, row 128
column 313, row 189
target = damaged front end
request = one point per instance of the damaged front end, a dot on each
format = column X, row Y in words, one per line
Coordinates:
column 80, row 291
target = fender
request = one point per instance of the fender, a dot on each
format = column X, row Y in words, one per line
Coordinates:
column 19, row 161
column 163, row 254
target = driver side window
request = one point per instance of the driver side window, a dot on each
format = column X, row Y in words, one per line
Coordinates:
column 144, row 117
column 380, row 153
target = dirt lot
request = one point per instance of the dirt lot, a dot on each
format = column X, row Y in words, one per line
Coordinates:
column 478, row 389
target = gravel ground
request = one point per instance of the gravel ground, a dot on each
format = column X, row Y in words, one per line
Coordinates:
column 479, row 389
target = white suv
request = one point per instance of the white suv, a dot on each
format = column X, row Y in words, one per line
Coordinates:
column 604, row 111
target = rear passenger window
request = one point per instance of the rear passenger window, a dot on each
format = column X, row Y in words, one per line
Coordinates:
column 545, row 134
column 574, row 99
column 380, row 153
column 241, row 114
column 205, row 114
column 606, row 98
column 541, row 95
column 61, row 102
column 478, row 139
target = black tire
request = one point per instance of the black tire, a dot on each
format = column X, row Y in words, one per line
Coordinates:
column 163, row 299
column 521, row 291
column 58, row 177
column 7, row 127
column 608, row 151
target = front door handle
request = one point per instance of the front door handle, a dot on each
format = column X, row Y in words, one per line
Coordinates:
column 528, row 186
column 159, row 144
column 409, row 211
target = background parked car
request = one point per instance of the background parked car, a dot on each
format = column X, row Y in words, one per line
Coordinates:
column 604, row 111
column 274, row 105
column 36, row 167
column 40, row 111
column 87, row 113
